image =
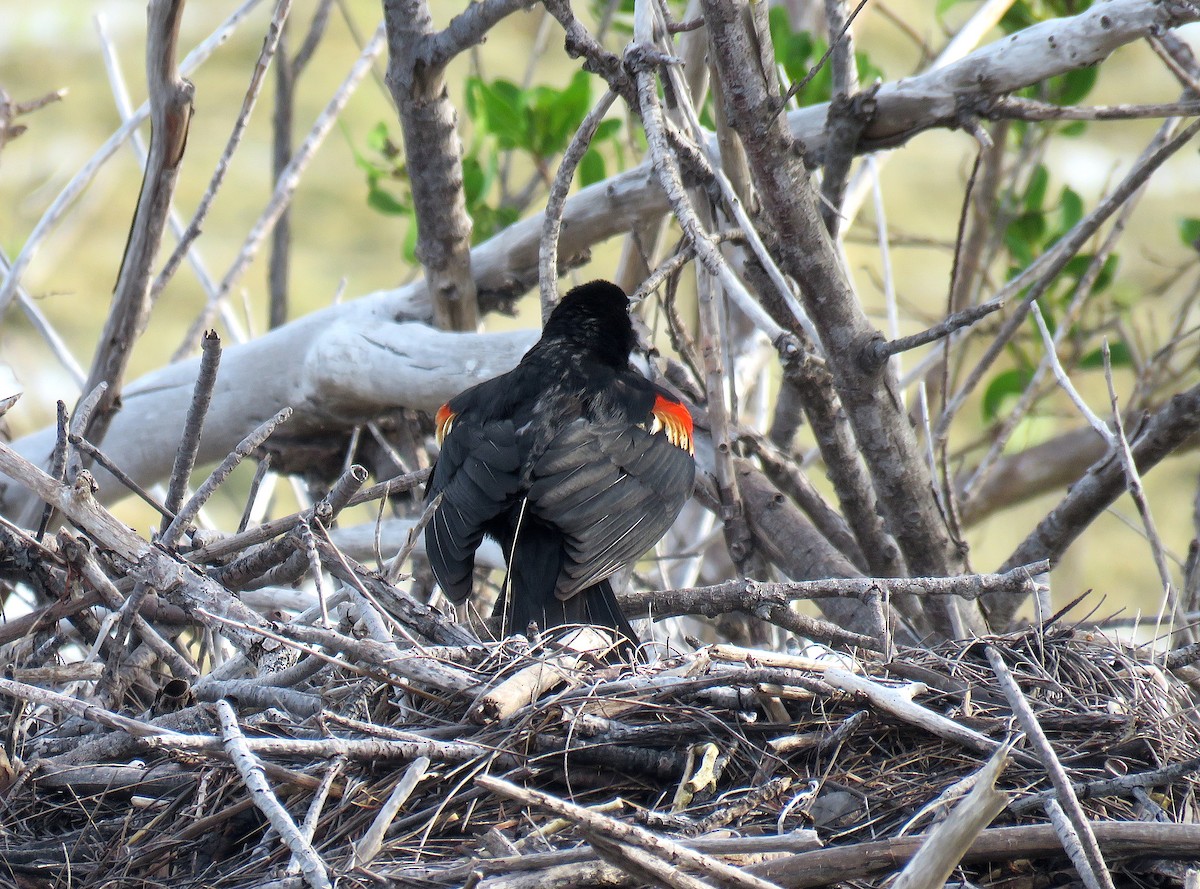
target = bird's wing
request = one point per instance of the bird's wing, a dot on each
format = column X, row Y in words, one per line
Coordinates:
column 478, row 476
column 613, row 490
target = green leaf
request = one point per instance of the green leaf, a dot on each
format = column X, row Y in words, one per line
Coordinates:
column 1035, row 193
column 1024, row 234
column 1118, row 354
column 384, row 202
column 1005, row 385
column 377, row 138
column 555, row 115
column 498, row 108
column 1073, row 129
column 1070, row 210
column 410, row 242
column 607, row 129
column 1072, row 87
column 1189, row 232
column 591, row 168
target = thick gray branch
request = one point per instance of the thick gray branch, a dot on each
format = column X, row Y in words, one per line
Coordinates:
column 434, row 160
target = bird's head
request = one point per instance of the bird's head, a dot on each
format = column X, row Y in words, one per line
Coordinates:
column 594, row 318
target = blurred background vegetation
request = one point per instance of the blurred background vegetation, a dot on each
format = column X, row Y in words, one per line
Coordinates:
column 352, row 232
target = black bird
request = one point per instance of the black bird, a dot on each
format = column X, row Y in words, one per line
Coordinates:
column 573, row 462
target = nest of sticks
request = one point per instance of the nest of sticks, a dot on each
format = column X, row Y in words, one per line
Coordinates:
column 159, row 732
column 516, row 765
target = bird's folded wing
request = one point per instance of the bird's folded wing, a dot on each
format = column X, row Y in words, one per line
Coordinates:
column 613, row 491
column 478, row 475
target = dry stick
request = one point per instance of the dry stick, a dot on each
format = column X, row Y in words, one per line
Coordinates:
column 92, row 713
column 119, row 474
column 862, row 861
column 1064, row 380
column 216, row 300
column 1182, row 632
column 260, row 475
column 737, row 532
column 899, row 703
column 227, row 546
column 1165, row 430
column 666, row 168
column 80, row 181
column 287, row 73
column 45, row 329
column 881, row 350
column 313, row 816
column 946, row 843
column 311, row 866
column 1108, row 786
column 285, row 185
column 193, row 424
column 112, row 598
column 618, row 831
column 355, row 749
column 1015, row 108
column 715, row 168
column 747, row 595
column 189, row 510
column 74, row 463
column 1096, row 870
column 58, row 464
column 392, row 574
column 170, row 113
column 369, row 844
column 1043, row 270
column 818, row 630
column 285, row 560
column 125, row 108
column 1066, row 323
column 556, row 200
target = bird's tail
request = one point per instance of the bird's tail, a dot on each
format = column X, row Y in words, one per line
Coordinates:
column 534, row 566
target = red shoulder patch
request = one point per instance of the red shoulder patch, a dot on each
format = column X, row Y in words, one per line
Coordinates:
column 443, row 421
column 674, row 419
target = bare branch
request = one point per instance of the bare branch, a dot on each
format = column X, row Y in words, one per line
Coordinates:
column 170, row 112
column 434, row 159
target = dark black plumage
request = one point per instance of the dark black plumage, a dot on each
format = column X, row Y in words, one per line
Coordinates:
column 573, row 461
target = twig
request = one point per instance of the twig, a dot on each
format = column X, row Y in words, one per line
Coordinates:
column 1012, row 107
column 170, row 113
column 247, row 445
column 899, row 702
column 1109, row 786
column 193, row 424
column 80, row 181
column 96, row 454
column 311, row 866
column 1064, row 380
column 313, row 816
column 555, row 201
column 747, row 595
column 285, row 185
column 138, row 729
column 1133, row 480
column 369, row 844
column 1097, row 870
column 618, row 831
column 58, row 464
column 1046, row 268
column 881, row 350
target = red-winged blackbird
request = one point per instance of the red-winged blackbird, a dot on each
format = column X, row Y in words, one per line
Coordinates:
column 573, row 461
